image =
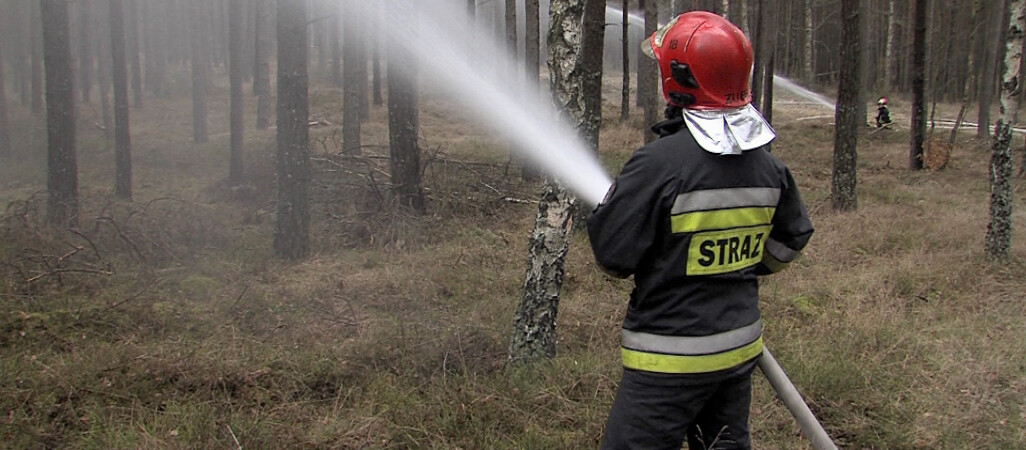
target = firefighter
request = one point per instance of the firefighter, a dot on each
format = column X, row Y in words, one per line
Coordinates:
column 696, row 216
column 883, row 115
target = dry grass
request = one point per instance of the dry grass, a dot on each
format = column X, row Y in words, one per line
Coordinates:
column 175, row 328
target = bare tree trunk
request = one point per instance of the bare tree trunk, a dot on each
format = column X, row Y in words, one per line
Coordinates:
column 5, row 136
column 351, row 140
column 625, row 88
column 292, row 229
column 336, row 45
column 648, row 80
column 770, row 43
column 134, row 58
column 977, row 21
column 62, row 164
column 993, row 43
column 759, row 52
column 122, row 133
column 592, row 42
column 843, row 188
column 262, row 68
column 36, row 38
column 237, row 114
column 199, row 74
column 725, row 8
column 999, row 231
column 889, row 59
column 403, row 129
column 85, row 54
column 534, row 322
column 918, row 132
column 105, row 64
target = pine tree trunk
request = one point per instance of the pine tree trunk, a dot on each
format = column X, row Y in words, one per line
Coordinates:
column 262, row 67
column 85, row 55
column 759, row 51
column 62, row 165
column 199, row 74
column 999, row 231
column 292, row 229
column 122, row 133
column 134, row 58
column 236, row 114
column 592, row 42
column 989, row 76
column 970, row 70
column 889, row 60
column 648, row 81
column 534, row 323
column 843, row 188
column 5, row 136
column 36, row 38
column 625, row 87
column 918, row 131
column 351, row 140
column 403, row 128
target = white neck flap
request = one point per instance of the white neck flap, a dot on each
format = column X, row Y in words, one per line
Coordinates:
column 729, row 131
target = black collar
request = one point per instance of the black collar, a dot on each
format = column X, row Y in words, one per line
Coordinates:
column 668, row 127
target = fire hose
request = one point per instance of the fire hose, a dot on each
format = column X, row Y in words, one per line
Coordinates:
column 793, row 401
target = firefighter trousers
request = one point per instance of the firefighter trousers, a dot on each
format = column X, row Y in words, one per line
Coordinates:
column 655, row 411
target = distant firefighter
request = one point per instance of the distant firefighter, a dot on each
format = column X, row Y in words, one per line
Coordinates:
column 883, row 115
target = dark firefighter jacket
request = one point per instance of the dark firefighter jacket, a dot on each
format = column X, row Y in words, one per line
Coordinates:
column 696, row 229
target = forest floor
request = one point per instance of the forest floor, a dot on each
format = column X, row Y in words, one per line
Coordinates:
column 166, row 322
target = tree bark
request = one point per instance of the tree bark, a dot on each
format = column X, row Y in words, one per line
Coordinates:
column 918, row 131
column 351, row 140
column 625, row 88
column 122, row 133
column 5, row 136
column 999, row 231
column 199, row 74
column 758, row 62
column 237, row 114
column 592, row 44
column 292, row 229
column 970, row 70
column 889, row 59
column 85, row 54
column 135, row 59
column 648, row 80
column 534, row 322
column 843, row 188
column 993, row 43
column 36, row 41
column 262, row 68
column 62, row 165
column 403, row 129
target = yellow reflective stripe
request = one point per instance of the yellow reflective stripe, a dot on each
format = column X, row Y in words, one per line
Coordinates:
column 773, row 264
column 655, row 362
column 721, row 219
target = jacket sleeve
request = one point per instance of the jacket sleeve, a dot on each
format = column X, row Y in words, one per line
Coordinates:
column 625, row 225
column 791, row 230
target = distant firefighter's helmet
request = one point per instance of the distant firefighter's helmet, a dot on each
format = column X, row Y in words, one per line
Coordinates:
column 882, row 101
column 704, row 61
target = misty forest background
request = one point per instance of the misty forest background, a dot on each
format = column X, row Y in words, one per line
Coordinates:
column 227, row 224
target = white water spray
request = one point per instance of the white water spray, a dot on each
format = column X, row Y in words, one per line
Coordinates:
column 465, row 64
column 802, row 92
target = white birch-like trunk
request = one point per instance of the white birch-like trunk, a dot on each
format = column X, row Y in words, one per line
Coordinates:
column 999, row 231
column 534, row 322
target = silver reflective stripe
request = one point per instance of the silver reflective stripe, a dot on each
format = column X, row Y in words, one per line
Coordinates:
column 780, row 251
column 692, row 345
column 712, row 199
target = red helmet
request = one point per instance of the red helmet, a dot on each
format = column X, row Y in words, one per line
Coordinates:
column 882, row 101
column 704, row 61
